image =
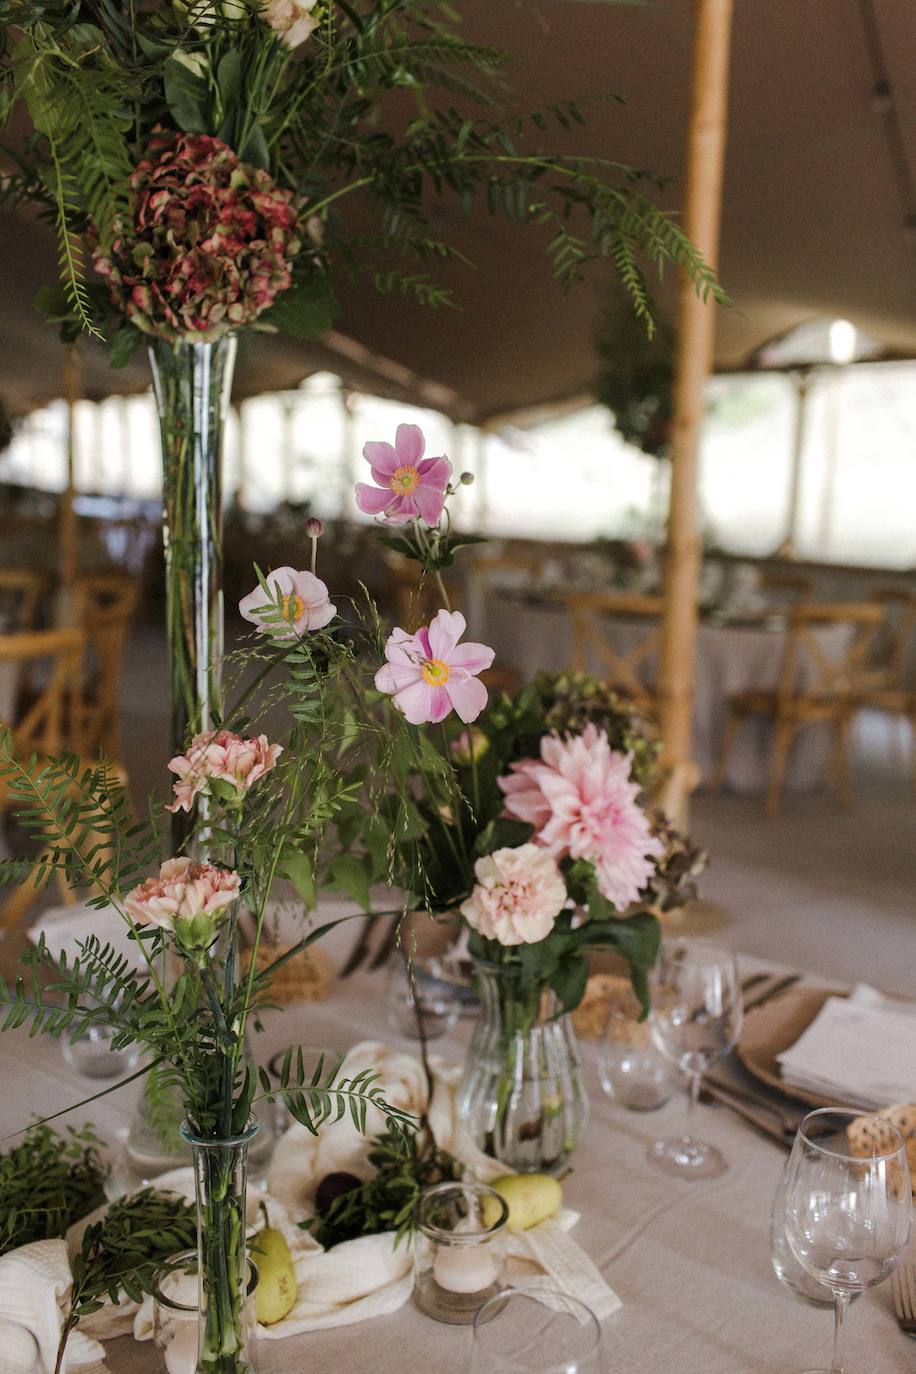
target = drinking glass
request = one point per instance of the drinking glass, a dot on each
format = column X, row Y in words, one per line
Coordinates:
column 424, row 986
column 695, row 1020
column 535, row 1331
column 632, row 1071
column 847, row 1217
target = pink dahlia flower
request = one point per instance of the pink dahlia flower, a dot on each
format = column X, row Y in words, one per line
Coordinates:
column 221, row 757
column 408, row 485
column 298, row 603
column 581, row 801
column 519, row 894
column 210, row 245
column 191, row 900
column 430, row 674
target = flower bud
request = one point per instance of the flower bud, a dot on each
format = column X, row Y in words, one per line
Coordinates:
column 466, row 479
column 314, row 527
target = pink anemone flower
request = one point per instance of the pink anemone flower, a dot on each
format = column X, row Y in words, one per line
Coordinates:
column 430, row 674
column 298, row 602
column 407, row 484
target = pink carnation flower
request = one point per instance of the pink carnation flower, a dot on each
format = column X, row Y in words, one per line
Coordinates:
column 191, row 900
column 210, row 244
column 408, row 485
column 430, row 674
column 304, row 604
column 581, row 801
column 224, row 757
column 519, row 894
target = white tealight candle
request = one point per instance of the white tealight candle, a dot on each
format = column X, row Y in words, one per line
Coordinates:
column 464, row 1268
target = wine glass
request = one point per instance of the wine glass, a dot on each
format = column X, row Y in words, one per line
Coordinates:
column 847, row 1218
column 535, row 1331
column 695, row 1020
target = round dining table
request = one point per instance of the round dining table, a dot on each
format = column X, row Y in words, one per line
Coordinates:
column 533, row 634
column 689, row 1259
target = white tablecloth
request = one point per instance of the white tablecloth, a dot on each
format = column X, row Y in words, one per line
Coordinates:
column 690, row 1260
column 532, row 638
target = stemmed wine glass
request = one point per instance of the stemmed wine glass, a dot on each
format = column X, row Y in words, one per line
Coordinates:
column 847, row 1218
column 535, row 1331
column 695, row 1020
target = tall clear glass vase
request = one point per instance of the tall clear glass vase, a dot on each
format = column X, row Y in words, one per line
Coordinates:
column 522, row 1097
column 192, row 382
column 226, row 1343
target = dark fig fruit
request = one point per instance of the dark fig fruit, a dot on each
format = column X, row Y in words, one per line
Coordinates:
column 331, row 1187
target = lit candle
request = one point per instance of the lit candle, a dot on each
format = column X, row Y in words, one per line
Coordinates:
column 465, row 1268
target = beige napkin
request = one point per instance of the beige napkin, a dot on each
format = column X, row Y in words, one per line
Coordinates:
column 34, row 1281
column 859, row 1049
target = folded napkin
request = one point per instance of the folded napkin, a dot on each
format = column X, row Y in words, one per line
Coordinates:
column 34, row 1282
column 859, row 1049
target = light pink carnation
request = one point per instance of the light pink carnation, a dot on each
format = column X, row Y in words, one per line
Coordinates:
column 304, row 604
column 189, row 899
column 408, row 485
column 519, row 894
column 222, row 756
column 581, row 801
column 430, row 674
column 291, row 20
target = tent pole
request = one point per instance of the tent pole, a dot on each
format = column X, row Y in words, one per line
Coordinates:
column 695, row 334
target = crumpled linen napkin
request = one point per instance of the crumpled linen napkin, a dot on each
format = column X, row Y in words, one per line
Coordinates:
column 34, row 1282
column 859, row 1049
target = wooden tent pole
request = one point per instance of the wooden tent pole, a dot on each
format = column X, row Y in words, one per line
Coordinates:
column 695, row 334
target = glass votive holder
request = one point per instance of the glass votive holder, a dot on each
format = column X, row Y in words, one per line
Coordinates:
column 459, row 1250
column 424, row 985
column 631, row 1069
column 175, row 1308
column 91, row 1056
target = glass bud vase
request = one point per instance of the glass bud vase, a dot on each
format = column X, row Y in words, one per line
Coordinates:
column 192, row 382
column 225, row 1328
column 522, row 1097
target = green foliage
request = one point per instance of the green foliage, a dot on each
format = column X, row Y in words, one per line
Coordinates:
column 123, row 1253
column 322, row 1096
column 47, row 1182
column 405, row 1163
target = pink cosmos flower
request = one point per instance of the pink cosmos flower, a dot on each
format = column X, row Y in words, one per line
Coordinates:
column 581, row 801
column 430, row 674
column 304, row 604
column 189, row 899
column 519, row 894
column 407, row 484
column 224, row 757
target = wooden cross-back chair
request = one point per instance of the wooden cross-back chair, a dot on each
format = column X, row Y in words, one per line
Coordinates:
column 818, row 684
column 104, row 608
column 21, row 593
column 49, row 724
column 626, row 659
column 884, row 684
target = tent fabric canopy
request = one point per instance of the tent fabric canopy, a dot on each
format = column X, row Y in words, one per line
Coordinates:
column 815, row 212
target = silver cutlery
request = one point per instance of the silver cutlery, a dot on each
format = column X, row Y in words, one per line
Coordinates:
column 761, row 1117
column 903, row 1291
column 767, row 994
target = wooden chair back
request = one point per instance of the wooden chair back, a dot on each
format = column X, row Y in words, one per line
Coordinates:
column 818, row 669
column 21, row 592
column 52, row 721
column 624, row 659
column 786, row 586
column 105, row 604
column 893, row 644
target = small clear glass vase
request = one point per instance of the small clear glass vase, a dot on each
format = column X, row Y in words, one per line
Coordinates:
column 225, row 1329
column 522, row 1097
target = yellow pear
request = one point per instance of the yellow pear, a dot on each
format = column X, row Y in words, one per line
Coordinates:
column 531, row 1198
column 277, row 1288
